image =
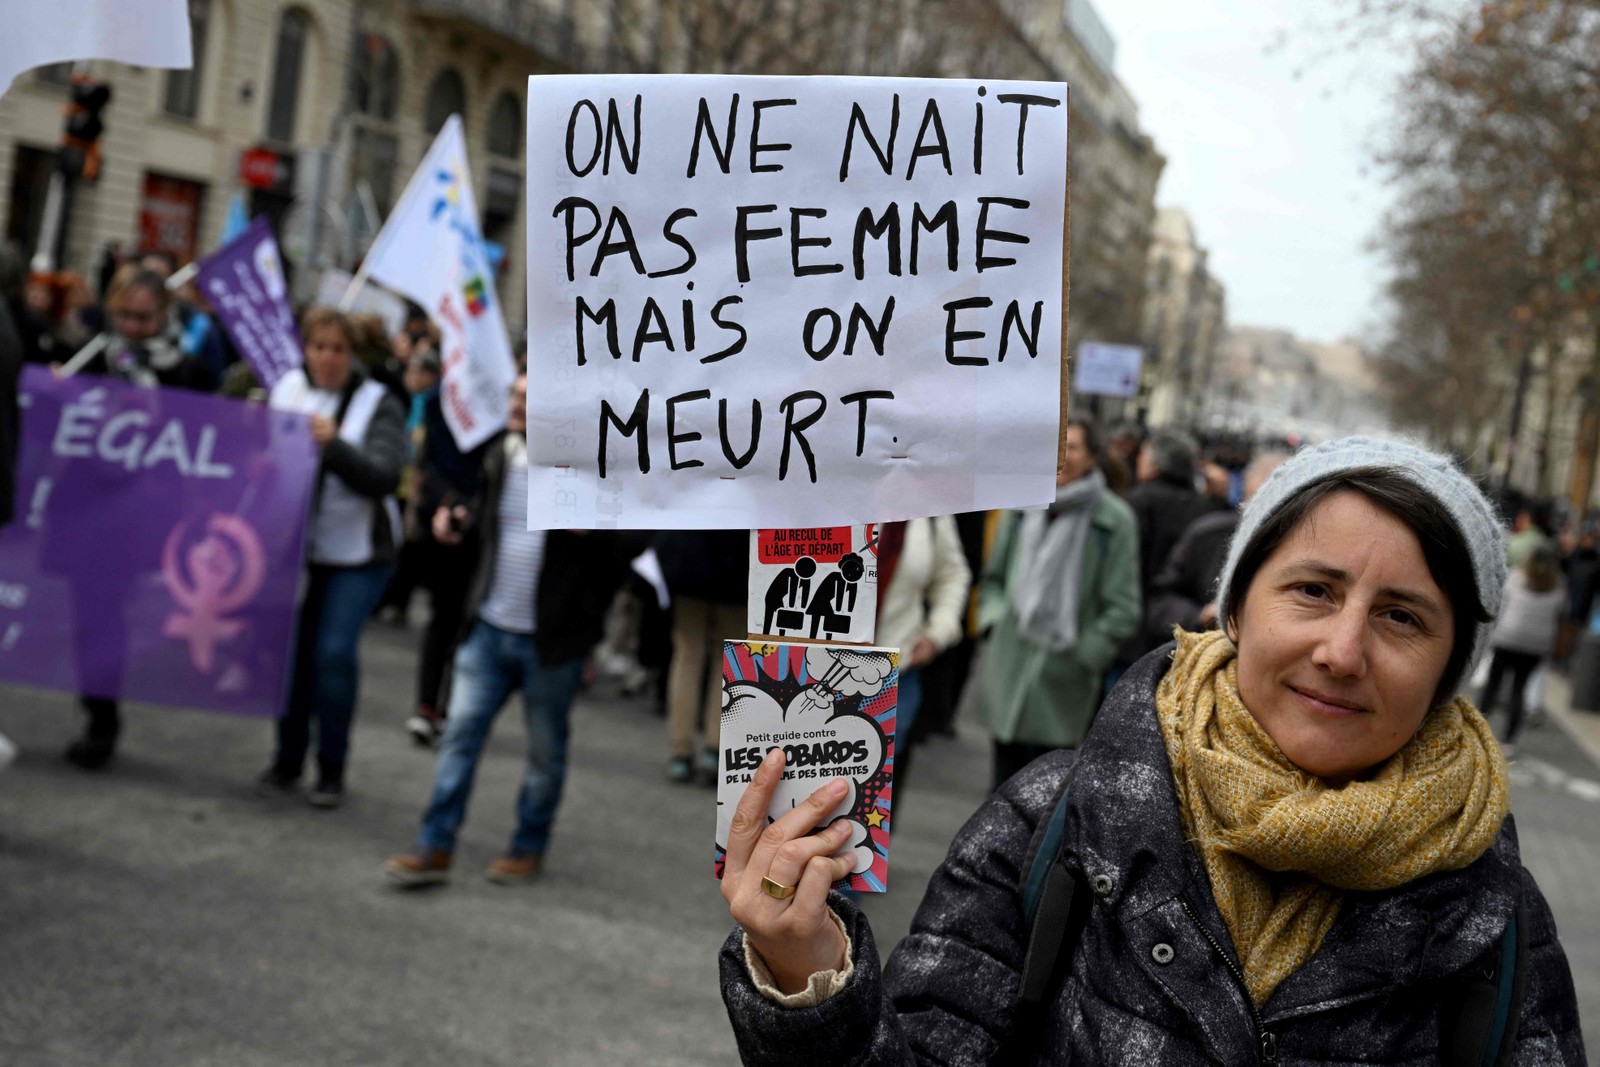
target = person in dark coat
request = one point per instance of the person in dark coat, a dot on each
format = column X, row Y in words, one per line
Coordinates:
column 1165, row 500
column 1296, row 832
column 141, row 348
column 707, row 573
column 1165, row 503
column 1184, row 592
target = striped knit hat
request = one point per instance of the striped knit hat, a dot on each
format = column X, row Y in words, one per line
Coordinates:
column 1436, row 475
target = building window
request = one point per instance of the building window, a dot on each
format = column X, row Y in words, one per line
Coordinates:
column 376, row 157
column 377, row 79
column 446, row 96
column 183, row 86
column 505, row 127
column 30, row 182
column 284, row 105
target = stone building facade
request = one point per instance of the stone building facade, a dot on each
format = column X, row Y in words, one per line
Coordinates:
column 296, row 103
column 1185, row 323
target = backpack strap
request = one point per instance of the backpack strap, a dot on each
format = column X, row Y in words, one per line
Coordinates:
column 1055, row 904
column 1511, row 987
column 1478, row 1024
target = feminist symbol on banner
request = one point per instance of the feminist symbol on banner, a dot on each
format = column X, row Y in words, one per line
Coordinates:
column 220, row 573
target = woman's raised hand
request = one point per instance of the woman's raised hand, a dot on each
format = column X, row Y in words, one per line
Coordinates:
column 794, row 934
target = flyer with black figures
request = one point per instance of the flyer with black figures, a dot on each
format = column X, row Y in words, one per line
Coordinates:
column 832, row 711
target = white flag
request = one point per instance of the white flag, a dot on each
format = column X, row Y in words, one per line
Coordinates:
column 148, row 33
column 432, row 251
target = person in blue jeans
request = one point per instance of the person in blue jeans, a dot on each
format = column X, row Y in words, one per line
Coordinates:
column 536, row 606
column 359, row 428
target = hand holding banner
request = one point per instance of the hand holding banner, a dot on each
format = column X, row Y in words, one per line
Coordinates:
column 156, row 553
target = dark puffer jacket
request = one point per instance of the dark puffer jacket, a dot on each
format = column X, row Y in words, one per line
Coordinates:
column 1146, row 986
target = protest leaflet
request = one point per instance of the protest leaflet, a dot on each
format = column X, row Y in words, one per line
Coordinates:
column 792, row 302
column 817, row 582
column 832, row 711
column 157, row 545
column 245, row 285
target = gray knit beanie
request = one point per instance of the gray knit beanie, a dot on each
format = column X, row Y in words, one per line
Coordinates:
column 1436, row 475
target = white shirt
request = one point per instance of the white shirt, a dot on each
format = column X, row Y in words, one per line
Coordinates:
column 514, row 583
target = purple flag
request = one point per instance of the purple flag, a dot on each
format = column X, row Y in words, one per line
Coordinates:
column 157, row 545
column 243, row 280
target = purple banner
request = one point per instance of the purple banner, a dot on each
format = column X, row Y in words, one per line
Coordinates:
column 157, row 545
column 244, row 283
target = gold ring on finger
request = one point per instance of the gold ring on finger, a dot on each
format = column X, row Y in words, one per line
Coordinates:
column 777, row 890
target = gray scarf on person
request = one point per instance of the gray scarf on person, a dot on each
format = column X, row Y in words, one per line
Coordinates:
column 1051, row 546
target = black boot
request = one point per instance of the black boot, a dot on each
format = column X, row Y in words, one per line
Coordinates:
column 98, row 744
column 329, row 792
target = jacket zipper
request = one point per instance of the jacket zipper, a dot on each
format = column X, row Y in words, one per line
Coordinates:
column 1267, row 1041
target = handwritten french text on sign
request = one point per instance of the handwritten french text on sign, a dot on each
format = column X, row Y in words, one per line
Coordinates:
column 816, row 582
column 764, row 302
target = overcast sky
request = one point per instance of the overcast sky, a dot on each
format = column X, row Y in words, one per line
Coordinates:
column 1268, row 166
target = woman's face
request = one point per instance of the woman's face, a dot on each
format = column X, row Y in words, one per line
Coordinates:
column 1343, row 638
column 328, row 357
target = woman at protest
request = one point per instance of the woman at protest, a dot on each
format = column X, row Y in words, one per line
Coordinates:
column 144, row 344
column 143, row 349
column 1290, row 835
column 923, row 579
column 359, row 427
column 1525, row 633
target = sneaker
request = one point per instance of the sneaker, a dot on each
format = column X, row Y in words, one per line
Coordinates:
column 425, row 727
column 514, row 868
column 90, row 753
column 328, row 794
column 681, row 769
column 418, row 867
column 276, row 782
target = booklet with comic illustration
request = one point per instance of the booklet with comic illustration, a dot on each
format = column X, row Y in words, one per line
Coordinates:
column 832, row 711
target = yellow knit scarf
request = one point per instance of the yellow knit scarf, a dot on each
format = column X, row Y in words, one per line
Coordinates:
column 1281, row 846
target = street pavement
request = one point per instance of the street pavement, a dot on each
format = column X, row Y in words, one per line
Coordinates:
column 162, row 914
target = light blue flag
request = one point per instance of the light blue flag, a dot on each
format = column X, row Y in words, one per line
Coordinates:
column 238, row 219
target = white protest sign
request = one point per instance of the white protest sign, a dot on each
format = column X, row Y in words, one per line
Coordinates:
column 1107, row 370
column 791, row 302
column 368, row 300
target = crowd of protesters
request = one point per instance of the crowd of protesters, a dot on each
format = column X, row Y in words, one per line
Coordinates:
column 1061, row 600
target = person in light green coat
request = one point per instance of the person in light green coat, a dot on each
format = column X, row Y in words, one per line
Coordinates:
column 1059, row 595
